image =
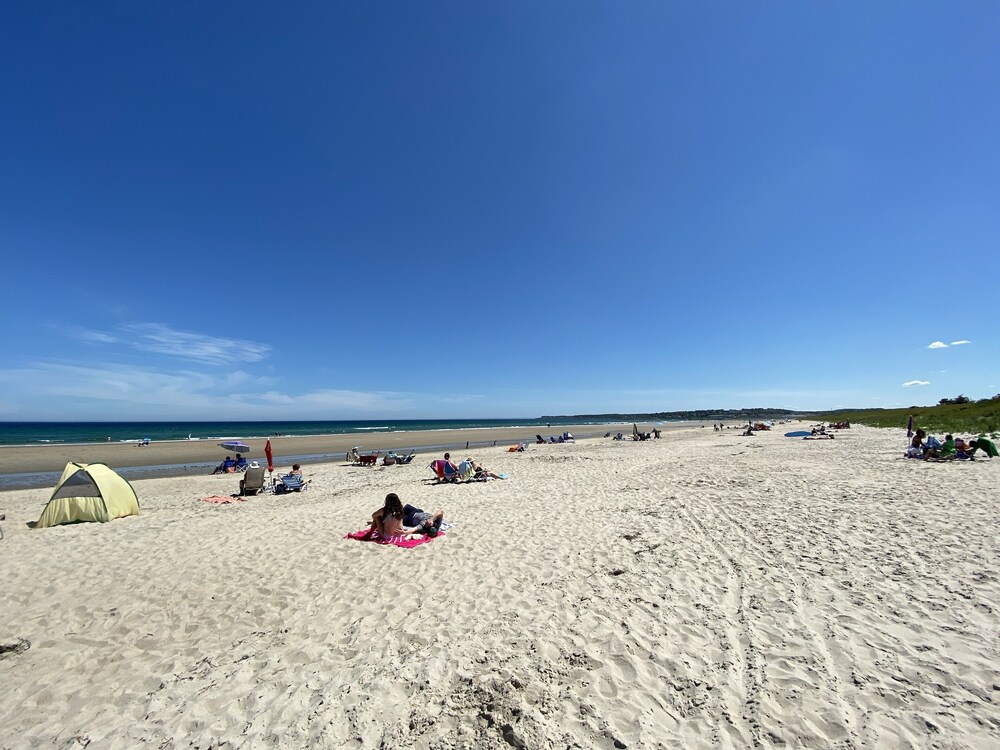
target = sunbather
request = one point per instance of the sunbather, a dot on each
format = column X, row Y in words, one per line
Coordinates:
column 445, row 469
column 226, row 467
column 296, row 469
column 415, row 517
column 483, row 474
column 946, row 451
column 388, row 521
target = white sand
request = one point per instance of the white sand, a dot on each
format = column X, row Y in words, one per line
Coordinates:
column 705, row 590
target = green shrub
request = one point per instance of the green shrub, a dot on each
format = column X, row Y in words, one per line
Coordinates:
column 956, row 417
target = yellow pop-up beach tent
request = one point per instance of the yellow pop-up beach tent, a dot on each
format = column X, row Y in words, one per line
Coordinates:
column 89, row 492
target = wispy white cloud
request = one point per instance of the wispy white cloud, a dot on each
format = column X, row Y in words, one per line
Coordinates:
column 210, row 350
column 161, row 339
column 93, row 337
column 61, row 390
column 937, row 345
column 912, row 383
column 959, row 343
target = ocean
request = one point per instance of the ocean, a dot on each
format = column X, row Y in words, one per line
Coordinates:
column 47, row 433
column 79, row 433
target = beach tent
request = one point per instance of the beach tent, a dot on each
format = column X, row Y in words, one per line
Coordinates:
column 89, row 492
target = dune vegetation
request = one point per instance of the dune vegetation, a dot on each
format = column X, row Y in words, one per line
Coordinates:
column 958, row 415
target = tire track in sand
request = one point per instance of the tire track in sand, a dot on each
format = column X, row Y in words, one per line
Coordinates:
column 795, row 595
column 743, row 706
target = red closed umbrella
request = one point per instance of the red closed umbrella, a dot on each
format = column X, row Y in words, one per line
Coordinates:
column 270, row 456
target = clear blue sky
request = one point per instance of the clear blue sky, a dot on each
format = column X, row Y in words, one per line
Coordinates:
column 451, row 209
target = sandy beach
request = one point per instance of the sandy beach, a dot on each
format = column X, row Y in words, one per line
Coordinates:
column 704, row 590
column 33, row 458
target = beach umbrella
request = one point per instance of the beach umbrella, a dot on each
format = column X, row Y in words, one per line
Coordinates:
column 635, row 429
column 909, row 427
column 270, row 456
column 235, row 446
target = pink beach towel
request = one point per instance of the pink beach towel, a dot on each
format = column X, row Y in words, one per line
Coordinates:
column 222, row 500
column 367, row 535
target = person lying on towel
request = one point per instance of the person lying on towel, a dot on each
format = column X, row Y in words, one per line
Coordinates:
column 430, row 523
column 391, row 520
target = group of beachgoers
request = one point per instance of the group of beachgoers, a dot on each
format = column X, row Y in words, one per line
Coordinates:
column 394, row 520
column 464, row 471
column 636, row 436
column 232, row 465
column 929, row 448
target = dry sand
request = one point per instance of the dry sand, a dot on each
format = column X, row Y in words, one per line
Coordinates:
column 704, row 590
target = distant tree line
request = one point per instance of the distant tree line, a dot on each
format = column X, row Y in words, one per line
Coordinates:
column 963, row 399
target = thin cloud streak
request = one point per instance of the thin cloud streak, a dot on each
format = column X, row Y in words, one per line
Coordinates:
column 211, row 350
column 157, row 338
column 58, row 390
column 912, row 383
column 959, row 343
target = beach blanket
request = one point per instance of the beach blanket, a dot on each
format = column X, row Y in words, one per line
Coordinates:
column 222, row 500
column 367, row 535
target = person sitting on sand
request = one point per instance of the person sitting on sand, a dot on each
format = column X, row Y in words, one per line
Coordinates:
column 916, row 449
column 241, row 463
column 388, row 522
column 226, row 467
column 296, row 470
column 946, row 451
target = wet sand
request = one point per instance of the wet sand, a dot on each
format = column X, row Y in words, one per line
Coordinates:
column 19, row 459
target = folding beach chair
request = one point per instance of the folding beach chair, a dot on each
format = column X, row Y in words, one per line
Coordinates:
column 252, row 482
column 290, row 483
column 444, row 470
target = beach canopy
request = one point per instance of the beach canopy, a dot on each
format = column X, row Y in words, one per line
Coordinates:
column 89, row 492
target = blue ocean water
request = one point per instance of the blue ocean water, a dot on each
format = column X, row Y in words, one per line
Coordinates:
column 43, row 433
column 69, row 433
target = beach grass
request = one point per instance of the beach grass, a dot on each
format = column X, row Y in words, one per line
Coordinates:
column 974, row 417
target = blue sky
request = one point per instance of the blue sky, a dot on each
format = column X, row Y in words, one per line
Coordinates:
column 450, row 209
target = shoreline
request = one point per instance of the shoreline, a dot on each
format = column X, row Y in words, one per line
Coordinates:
column 39, row 465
